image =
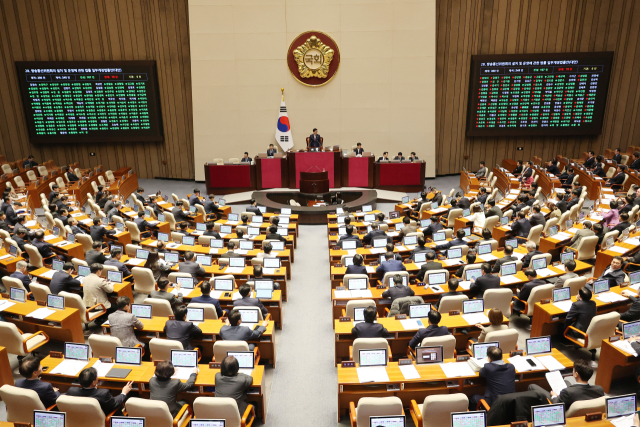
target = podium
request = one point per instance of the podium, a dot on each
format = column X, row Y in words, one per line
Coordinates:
column 314, row 182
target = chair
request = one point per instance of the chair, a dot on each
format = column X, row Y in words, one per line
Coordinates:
column 547, row 256
column 426, row 276
column 83, row 411
column 500, row 299
column 587, row 248
column 176, row 237
column 173, row 277
column 347, row 277
column 63, row 231
column 19, row 182
column 453, row 302
column 110, row 176
column 87, row 315
column 550, row 223
column 6, row 168
column 508, row 213
column 168, row 217
column 221, row 348
column 35, row 259
column 575, row 284
column 234, row 160
column 159, row 307
column 373, row 406
column 491, row 222
column 131, row 250
column 537, row 294
column 224, row 408
column 18, row 343
column 534, row 234
column 218, row 161
column 613, row 234
column 448, row 343
column 601, row 327
column 49, row 218
column 507, row 338
column 143, row 281
column 353, row 304
column 257, row 261
column 21, row 403
column 156, row 412
column 39, row 291
column 438, row 409
column 12, row 282
column 42, row 170
column 78, row 262
column 104, row 345
column 367, row 344
column 469, row 267
column 451, row 218
column 389, row 275
column 205, row 240
column 32, row 176
column 209, row 310
column 580, row 408
column 161, row 348
column 86, row 241
column 133, row 229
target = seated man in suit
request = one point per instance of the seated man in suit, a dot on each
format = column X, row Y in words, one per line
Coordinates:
column 433, row 330
column 267, row 248
column 399, row 156
column 245, row 158
column 408, row 227
column 521, row 226
column 123, row 325
column 391, row 264
column 598, row 167
column 211, row 206
column 453, row 290
column 420, row 248
column 507, row 258
column 375, row 233
column 253, row 208
column 157, row 210
column 569, row 267
column 113, row 211
column 116, row 255
column 493, row 209
column 21, row 274
column 471, row 259
column 29, row 163
column 532, row 250
column 211, row 232
column 315, row 140
column 482, row 196
column 206, row 298
column 613, row 273
column 358, row 150
column 413, row 157
column 183, row 228
column 431, row 264
column 552, row 167
column 98, row 232
column 140, row 197
column 482, row 172
column 526, row 289
column 586, row 231
column 190, row 266
column 95, row 255
column 257, row 274
column 178, row 214
column 350, row 236
column 143, row 224
column 43, row 247
column 499, row 376
column 166, row 389
column 458, row 241
column 580, row 314
column 162, row 293
column 635, row 161
column 63, row 280
column 357, row 267
column 230, row 251
column 484, row 282
column 578, row 389
column 397, row 291
column 88, row 380
column 537, row 218
column 182, row 330
column 195, row 198
column 31, row 369
column 234, row 331
column 591, row 159
column 623, row 224
column 568, row 179
column 72, row 177
column 385, row 157
column 518, row 169
column 273, row 234
column 4, row 224
column 617, row 179
column 271, row 151
column 369, row 328
column 247, row 301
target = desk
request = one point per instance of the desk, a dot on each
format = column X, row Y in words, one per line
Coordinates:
column 227, row 179
column 468, row 181
column 123, row 289
column 6, row 375
column 358, row 171
column 546, row 183
column 316, row 182
column 405, row 176
column 272, row 172
column 591, row 182
column 329, row 161
column 432, row 381
column 618, row 364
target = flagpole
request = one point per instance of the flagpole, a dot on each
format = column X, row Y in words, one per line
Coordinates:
column 282, row 94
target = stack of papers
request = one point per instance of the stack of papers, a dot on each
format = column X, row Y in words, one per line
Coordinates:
column 70, row 367
column 4, row 304
column 564, row 305
column 457, row 369
column 373, row 374
column 560, row 267
column 626, row 421
column 182, row 373
column 409, row 372
column 50, row 237
column 545, row 272
column 453, row 261
column 6, row 256
column 268, row 270
column 48, row 274
column 610, row 297
column 518, row 255
column 488, row 257
column 411, row 324
column 551, row 363
column 371, row 269
column 474, row 318
column 86, row 221
column 103, row 368
column 522, row 365
column 154, row 243
column 465, row 284
column 378, row 250
column 341, row 294
column 402, row 248
column 633, row 241
column 364, row 293
column 510, row 279
column 136, row 261
column 392, row 233
column 556, row 381
column 41, row 313
column 625, row 346
column 235, row 270
column 562, row 236
column 618, row 249
column 573, row 230
column 213, row 251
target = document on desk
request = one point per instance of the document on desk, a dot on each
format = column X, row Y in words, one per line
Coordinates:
column 562, row 236
column 560, row 267
column 475, row 318
column 510, row 279
column 411, row 324
column 6, row 256
column 182, row 373
column 626, row 421
column 457, row 369
column 4, row 304
column 136, row 261
column 216, row 294
column 564, row 305
column 86, row 221
column 401, row 248
column 378, row 250
column 453, row 261
column 392, row 234
column 551, row 363
column 465, row 284
column 50, row 237
column 518, row 255
column 153, row 244
column 41, row 313
column 341, row 294
column 373, row 374
column 103, row 368
column 34, row 223
column 246, row 371
column 619, row 249
column 610, row 297
column 214, row 251
column 370, row 269
column 488, row 257
column 231, row 223
column 236, row 270
column 364, row 293
column 409, row 372
column 545, row 272
column 70, row 367
column 521, row 364
column 556, row 382
column 48, row 274
column 241, row 251
column 633, row 241
column 625, row 346
column 352, row 252
column 267, row 270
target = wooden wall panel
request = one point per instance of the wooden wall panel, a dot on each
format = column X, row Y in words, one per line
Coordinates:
column 476, row 27
column 66, row 30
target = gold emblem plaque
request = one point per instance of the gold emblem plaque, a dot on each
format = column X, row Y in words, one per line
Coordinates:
column 313, row 58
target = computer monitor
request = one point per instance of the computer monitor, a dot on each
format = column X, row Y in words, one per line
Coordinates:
column 634, row 277
column 246, row 245
column 480, row 349
column 339, row 210
column 367, row 208
column 420, row 257
column 358, row 314
column 201, row 226
column 265, row 294
column 357, row 284
column 262, row 209
column 340, row 219
column 192, row 209
column 437, row 278
column 472, row 273
column 600, row 286
column 71, row 238
column 233, row 217
column 223, row 284
column 405, row 199
column 410, row 240
column 114, row 276
column 284, row 220
column 49, row 419
column 508, row 269
column 222, row 202
column 387, row 421
column 348, row 261
column 419, row 311
column 57, row 265
column 13, row 250
column 277, row 246
column 620, row 406
column 431, row 354
column 127, row 422
column 369, row 217
column 142, row 253
column 17, row 294
column 424, row 223
column 538, row 345
column 439, row 236
column 548, row 415
column 539, row 263
column 55, row 301
column 236, row 262
column 511, row 242
column 188, row 240
column 216, row 243
column 195, row 314
column 484, row 248
column 271, row 262
column 205, row 260
column 473, row 306
column 469, row 419
column 285, row 211
column 566, row 257
column 225, row 229
column 142, row 311
column 163, row 237
column 263, row 284
column 373, row 357
column 248, row 315
column 161, row 218
column 631, row 329
column 119, row 227
column 504, row 220
column 76, row 351
column 434, row 205
column 380, row 243
column 553, row 230
column 171, row 257
column 186, row 282
column 257, row 219
column 454, row 253
column 466, row 212
column 245, row 359
column 184, row 358
column 253, row 231
column 128, row 355
column 569, row 224
column 561, row 294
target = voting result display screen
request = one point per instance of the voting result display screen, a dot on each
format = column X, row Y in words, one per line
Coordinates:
column 538, row 94
column 91, row 101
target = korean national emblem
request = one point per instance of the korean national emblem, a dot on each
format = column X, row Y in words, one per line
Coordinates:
column 313, row 58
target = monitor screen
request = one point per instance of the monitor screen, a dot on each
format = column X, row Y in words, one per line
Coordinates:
column 186, row 282
column 83, row 270
column 547, row 415
column 204, row 260
column 184, row 358
column 634, row 277
column 163, row 237
column 56, row 231
column 387, row 421
column 569, row 223
column 119, row 227
column 340, row 219
column 437, row 278
column 566, row 257
column 425, row 223
column 129, row 355
column 216, row 243
column 171, row 257
column 484, row 249
column 55, row 301
column 127, row 422
column 439, row 236
column 420, row 257
column 469, row 419
column 246, row 245
column 433, row 354
column 375, row 357
column 236, row 262
column 434, row 205
column 539, row 345
column 284, row 220
column 367, row 208
column 553, row 230
column 222, row 202
column 410, row 240
column 358, row 314
column 114, row 276
column 17, row 294
column 76, row 351
column 142, row 253
column 49, row 419
column 600, row 286
column 620, row 406
column 285, row 211
column 161, row 217
column 263, row 284
column 369, row 217
column 262, row 209
column 264, row 294
column 466, row 212
column 245, row 358
column 207, row 423
column 379, row 243
column 225, row 229
column 512, row 242
column 473, row 273
column 71, row 238
column 256, row 219
column 508, row 269
column 405, row 199
column 561, row 294
column 249, row 315
column 282, row 231
column 277, row 246
column 339, row 210
column 57, row 265
column 233, row 217
column 143, row 311
column 480, row 349
column 253, row 231
column 271, row 262
column 472, row 306
column 539, row 263
column 348, row 261
column 504, row 220
column 188, row 240
column 195, row 314
column 223, row 284
column 454, row 253
column 357, row 284
column 631, row 329
column 419, row 311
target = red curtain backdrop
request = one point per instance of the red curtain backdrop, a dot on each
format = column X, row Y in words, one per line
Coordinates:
column 314, row 162
column 271, row 173
column 229, row 176
column 400, row 174
column 358, row 172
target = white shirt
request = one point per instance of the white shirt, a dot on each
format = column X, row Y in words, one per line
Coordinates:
column 478, row 219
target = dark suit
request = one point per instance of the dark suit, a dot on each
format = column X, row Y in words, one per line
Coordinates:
column 380, row 159
column 525, row 292
column 429, row 265
column 93, row 256
column 242, row 333
column 358, row 151
column 521, row 227
column 183, row 331
column 616, row 180
column 315, row 141
column 234, row 387
column 526, row 260
column 77, row 230
column 210, row 207
column 356, row 269
column 537, row 219
column 192, row 268
column 212, row 233
column 569, row 179
column 494, row 211
column 120, row 265
column 429, row 331
column 389, row 266
column 179, row 215
column 463, row 203
column 517, row 170
column 398, row 292
column 254, row 210
column 98, row 232
column 251, row 302
column 167, row 391
column 141, row 199
column 368, row 238
column 571, row 394
column 599, row 171
column 589, row 162
column 504, row 260
column 634, row 311
column 45, row 390
column 72, row 177
column 450, row 243
column 500, row 378
column 482, row 283
column 4, row 226
column 562, row 206
column 20, row 242
column 433, row 228
column 369, row 330
column 553, row 170
column 23, row 278
column 142, row 224
column 194, row 200
column 44, row 248
column 398, row 158
column 635, row 164
column 580, row 315
column 350, row 237
column 622, row 226
column 617, row 158
column 63, row 281
column 271, row 152
column 482, row 198
column 275, row 236
column 206, row 299
column 12, row 216
column 107, row 402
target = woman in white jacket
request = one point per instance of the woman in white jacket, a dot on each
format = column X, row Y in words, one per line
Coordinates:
column 477, row 217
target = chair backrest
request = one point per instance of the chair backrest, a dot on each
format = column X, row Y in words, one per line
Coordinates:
column 209, row 310
column 21, row 403
column 448, row 343
column 244, row 307
column 220, row 348
column 538, row 294
column 453, row 214
column 75, row 301
column 11, row 339
column 155, row 412
column 42, row 170
column 176, row 237
column 133, row 229
column 86, row 241
column 426, row 276
column 580, row 408
column 547, row 256
column 131, row 250
column 218, row 161
column 39, row 291
column 32, row 175
column 437, row 408
column 389, row 276
column 60, row 182
column 161, row 348
column 366, row 344
column 101, row 180
column 159, row 307
column 575, row 284
column 534, row 234
column 613, row 233
column 117, row 218
column 601, row 327
column 453, row 302
column 563, row 220
column 104, row 345
column 500, row 299
column 63, row 231
column 550, row 223
column 362, row 303
column 225, row 408
column 49, row 218
column 376, row 406
column 6, row 168
column 173, row 277
column 587, row 247
column 19, row 181
column 81, row 411
column 77, row 262
column 168, row 216
column 347, row 277
column 110, row 175
column 491, row 222
column 35, row 258
column 507, row 338
column 12, row 282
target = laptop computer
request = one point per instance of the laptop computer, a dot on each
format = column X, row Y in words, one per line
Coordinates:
column 253, row 231
column 369, row 218
column 114, row 276
column 436, row 278
column 277, row 246
column 128, row 356
column 71, row 238
column 233, row 217
column 141, row 311
column 55, row 301
column 195, row 315
column 236, row 262
column 387, row 421
column 186, row 282
column 205, row 260
column 163, row 237
column 348, row 261
column 484, row 248
column 420, row 257
column 262, row 209
column 430, row 354
column 248, row 315
column 548, row 415
column 357, row 284
column 634, row 277
column 49, row 419
column 57, row 265
column 225, row 229
column 142, row 254
column 439, row 236
column 285, row 211
column 561, row 294
column 511, row 242
column 473, row 306
column 620, row 406
column 455, row 253
column 469, row 419
column 127, row 422
column 216, row 243
column 419, row 311
column 567, row 256
column 380, row 243
column 373, row 357
column 367, row 208
column 207, row 423
column 472, row 273
column 257, row 219
column 271, row 262
column 188, row 240
column 508, row 269
column 76, row 351
column 600, row 286
column 223, row 284
column 246, row 245
column 538, row 345
column 410, row 240
column 504, row 220
column 539, row 263
column 171, row 257
column 245, row 358
column 424, row 223
column 184, row 360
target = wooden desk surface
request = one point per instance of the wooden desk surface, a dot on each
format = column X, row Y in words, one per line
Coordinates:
column 25, row 308
column 118, row 288
column 209, row 326
column 393, row 325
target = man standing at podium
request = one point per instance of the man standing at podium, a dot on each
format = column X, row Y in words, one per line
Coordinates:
column 314, row 139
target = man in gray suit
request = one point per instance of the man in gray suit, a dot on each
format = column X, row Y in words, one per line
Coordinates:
column 408, row 228
column 493, row 210
column 482, row 172
column 109, row 205
column 163, row 388
column 113, row 211
column 234, row 331
column 162, row 293
column 190, row 266
column 569, row 266
column 230, row 253
column 182, row 330
column 586, row 231
column 123, row 325
column 95, row 255
column 231, row 383
column 246, row 301
column 507, row 258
